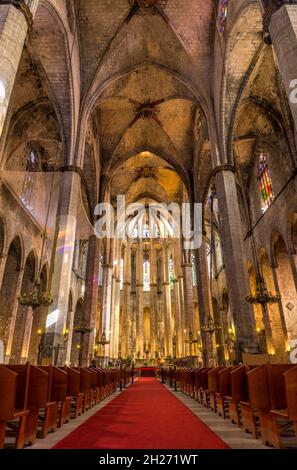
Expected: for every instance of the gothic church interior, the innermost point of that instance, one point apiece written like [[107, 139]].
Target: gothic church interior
[[167, 103]]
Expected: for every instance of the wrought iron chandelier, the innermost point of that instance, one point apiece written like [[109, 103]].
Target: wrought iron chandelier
[[83, 328], [263, 295], [210, 326], [191, 339], [35, 298], [103, 341]]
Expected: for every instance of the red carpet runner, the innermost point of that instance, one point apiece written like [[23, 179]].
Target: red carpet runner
[[145, 416]]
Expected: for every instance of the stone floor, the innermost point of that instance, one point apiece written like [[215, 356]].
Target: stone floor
[[55, 437], [228, 432]]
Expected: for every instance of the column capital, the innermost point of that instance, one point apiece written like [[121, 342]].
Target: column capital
[[224, 167], [165, 283], [23, 8]]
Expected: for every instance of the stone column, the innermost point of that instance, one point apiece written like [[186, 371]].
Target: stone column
[[91, 298], [3, 259], [61, 266], [127, 320], [177, 301], [70, 335], [188, 298], [139, 298], [13, 30], [235, 260], [27, 335], [106, 306], [167, 302], [10, 331], [115, 301], [282, 26], [205, 302], [154, 298]]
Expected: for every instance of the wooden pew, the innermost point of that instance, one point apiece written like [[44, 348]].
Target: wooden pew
[[223, 391], [204, 387], [198, 384], [11, 407], [31, 394], [85, 387], [57, 392], [74, 391], [267, 398], [213, 386], [239, 392], [93, 391]]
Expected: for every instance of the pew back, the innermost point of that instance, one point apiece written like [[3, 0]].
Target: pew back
[[266, 386], [57, 390], [73, 381], [8, 380], [32, 386], [225, 381], [239, 384], [213, 379], [290, 377], [22, 384]]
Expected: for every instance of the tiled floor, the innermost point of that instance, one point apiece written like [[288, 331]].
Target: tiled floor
[[230, 433]]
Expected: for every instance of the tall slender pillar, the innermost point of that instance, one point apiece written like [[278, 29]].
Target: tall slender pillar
[[139, 299], [106, 305], [63, 259], [115, 301], [205, 303], [154, 298], [235, 260], [188, 297], [14, 25], [167, 302], [10, 330], [91, 297], [177, 301], [281, 21], [127, 320]]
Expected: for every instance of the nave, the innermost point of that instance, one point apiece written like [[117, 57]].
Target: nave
[[243, 407]]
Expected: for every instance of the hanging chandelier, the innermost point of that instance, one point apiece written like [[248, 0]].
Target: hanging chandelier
[[210, 326], [263, 295], [83, 328], [191, 339], [35, 298], [103, 341]]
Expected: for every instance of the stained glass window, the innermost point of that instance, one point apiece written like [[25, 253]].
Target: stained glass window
[[194, 273], [31, 166], [223, 15], [265, 182], [146, 231], [100, 274], [146, 276]]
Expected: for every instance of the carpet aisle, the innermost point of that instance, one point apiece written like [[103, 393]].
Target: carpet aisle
[[145, 416]]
